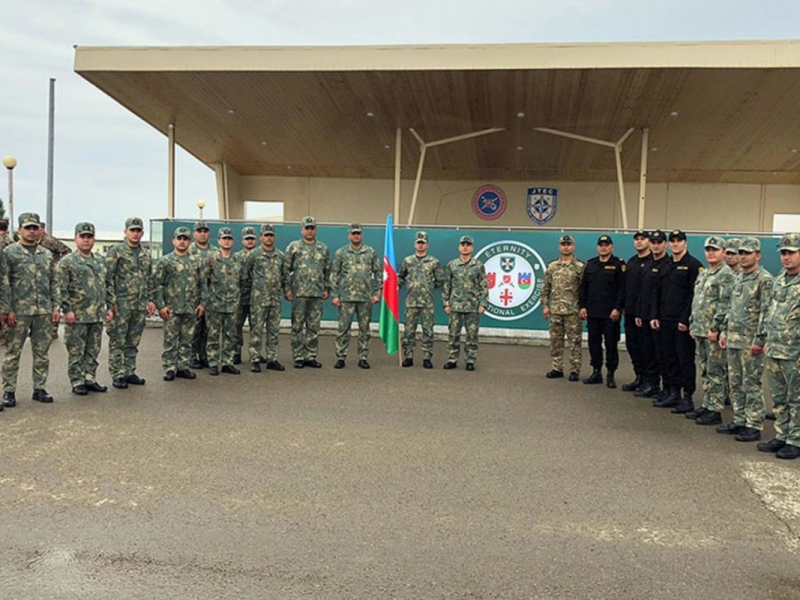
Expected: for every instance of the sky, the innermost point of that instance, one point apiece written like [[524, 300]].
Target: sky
[[110, 165]]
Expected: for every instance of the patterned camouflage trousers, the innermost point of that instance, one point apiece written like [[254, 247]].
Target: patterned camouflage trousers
[[261, 318], [426, 316], [83, 342], [569, 326], [178, 336], [39, 327], [306, 315], [221, 338], [124, 335], [241, 316], [784, 383], [744, 378], [712, 363], [346, 312], [471, 322], [200, 340]]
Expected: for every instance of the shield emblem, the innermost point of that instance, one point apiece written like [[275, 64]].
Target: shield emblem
[[506, 279], [541, 204], [492, 279], [507, 263], [524, 280]]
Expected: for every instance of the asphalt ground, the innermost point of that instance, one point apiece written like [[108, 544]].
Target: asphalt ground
[[387, 483]]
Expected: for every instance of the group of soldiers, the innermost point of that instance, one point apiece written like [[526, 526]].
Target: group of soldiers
[[204, 294], [730, 318]]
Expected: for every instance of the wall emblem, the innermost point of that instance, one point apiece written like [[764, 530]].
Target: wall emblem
[[541, 204], [516, 273], [489, 202]]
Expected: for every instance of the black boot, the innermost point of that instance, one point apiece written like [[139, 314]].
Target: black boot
[[671, 397], [646, 390], [595, 377], [684, 406], [633, 385], [610, 381]]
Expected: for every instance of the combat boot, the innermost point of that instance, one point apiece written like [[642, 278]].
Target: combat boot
[[684, 406], [594, 378], [710, 417], [633, 385], [646, 390], [671, 397], [610, 381]]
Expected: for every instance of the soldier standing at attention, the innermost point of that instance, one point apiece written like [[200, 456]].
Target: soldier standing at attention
[[59, 250], [224, 273], [263, 273], [672, 299], [424, 274], [634, 338], [465, 298], [29, 306], [732, 254], [782, 328], [249, 241], [560, 290], [180, 292], [306, 275], [743, 341], [202, 249], [84, 302], [356, 286], [129, 284], [601, 299], [710, 305]]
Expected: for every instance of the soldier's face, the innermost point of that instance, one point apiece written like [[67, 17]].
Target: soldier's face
[[677, 246], [29, 234], [732, 259], [713, 256], [421, 247], [641, 243], [181, 244], [790, 259], [605, 249], [201, 236], [659, 248], [465, 249], [84, 242], [748, 260], [356, 237], [268, 240], [566, 248], [134, 236], [249, 243], [309, 233], [226, 243]]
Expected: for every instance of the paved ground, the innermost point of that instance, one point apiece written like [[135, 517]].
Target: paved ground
[[391, 483]]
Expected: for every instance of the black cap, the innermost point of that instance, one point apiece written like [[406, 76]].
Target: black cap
[[658, 236], [604, 239], [677, 234], [641, 233]]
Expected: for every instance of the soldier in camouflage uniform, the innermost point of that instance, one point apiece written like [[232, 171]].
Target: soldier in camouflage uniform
[[306, 274], [59, 250], [782, 328], [356, 278], [129, 283], [180, 292], [85, 306], [424, 274], [465, 296], [249, 241], [710, 305], [5, 240], [224, 277], [743, 340], [264, 273], [29, 305], [732, 254], [560, 290], [202, 249]]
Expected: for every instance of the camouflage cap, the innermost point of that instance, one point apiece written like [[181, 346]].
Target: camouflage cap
[[677, 234], [134, 223], [604, 239], [466, 239], [308, 221], [267, 228], [791, 241], [181, 232], [641, 233], [225, 232], [732, 245], [658, 236], [714, 242], [355, 228], [421, 236], [749, 245], [84, 228], [200, 225], [29, 218], [248, 233], [566, 239]]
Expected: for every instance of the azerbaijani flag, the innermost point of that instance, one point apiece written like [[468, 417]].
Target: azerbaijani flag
[[389, 325]]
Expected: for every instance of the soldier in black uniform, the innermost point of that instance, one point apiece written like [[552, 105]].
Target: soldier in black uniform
[[636, 266], [651, 338], [601, 298], [672, 298]]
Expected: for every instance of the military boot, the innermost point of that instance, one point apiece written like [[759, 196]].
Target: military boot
[[684, 406], [646, 390], [633, 385], [611, 383], [671, 397], [595, 377]]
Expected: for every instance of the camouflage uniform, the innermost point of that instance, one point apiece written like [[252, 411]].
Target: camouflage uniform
[[129, 289], [742, 328], [560, 291], [30, 291], [222, 309], [423, 276], [306, 273], [180, 285], [465, 290], [781, 325], [59, 250], [83, 292], [200, 340], [5, 240], [710, 304], [243, 314], [355, 280], [264, 273]]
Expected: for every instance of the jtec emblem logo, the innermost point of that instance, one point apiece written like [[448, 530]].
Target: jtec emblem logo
[[515, 273]]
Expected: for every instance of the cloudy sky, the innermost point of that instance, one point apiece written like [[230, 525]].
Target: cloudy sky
[[109, 164]]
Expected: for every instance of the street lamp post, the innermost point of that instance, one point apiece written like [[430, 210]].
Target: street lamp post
[[201, 204], [9, 162]]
